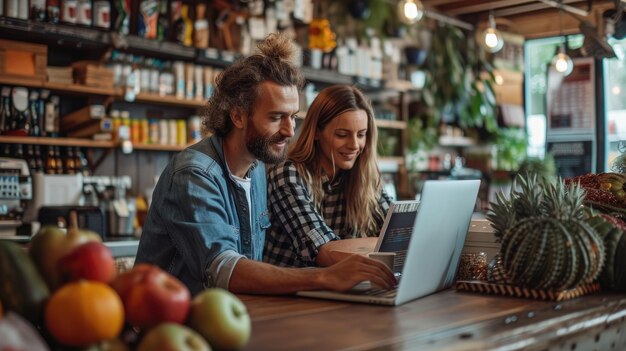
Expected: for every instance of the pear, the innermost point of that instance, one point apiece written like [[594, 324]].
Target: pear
[[51, 243]]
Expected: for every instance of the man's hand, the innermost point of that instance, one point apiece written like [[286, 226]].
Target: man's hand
[[354, 269]]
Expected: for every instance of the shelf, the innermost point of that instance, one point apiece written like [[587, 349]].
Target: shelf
[[158, 147], [80, 89], [169, 100], [54, 34], [155, 48], [391, 124], [456, 141], [84, 143], [57, 141], [23, 82]]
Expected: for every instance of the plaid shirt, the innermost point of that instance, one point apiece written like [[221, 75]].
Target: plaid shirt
[[298, 229]]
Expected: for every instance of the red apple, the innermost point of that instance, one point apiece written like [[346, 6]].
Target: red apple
[[221, 318], [173, 337], [152, 296], [89, 261]]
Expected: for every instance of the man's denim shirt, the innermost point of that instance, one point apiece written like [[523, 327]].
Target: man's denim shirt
[[198, 225]]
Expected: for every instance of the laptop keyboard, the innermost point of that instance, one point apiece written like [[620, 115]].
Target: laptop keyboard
[[380, 292]]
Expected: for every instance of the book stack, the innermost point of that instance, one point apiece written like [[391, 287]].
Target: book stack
[[61, 75], [93, 74], [88, 122]]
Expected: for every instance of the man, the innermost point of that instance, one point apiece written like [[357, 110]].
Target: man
[[207, 220]]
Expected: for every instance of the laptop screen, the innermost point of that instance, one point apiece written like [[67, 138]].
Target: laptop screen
[[395, 234]]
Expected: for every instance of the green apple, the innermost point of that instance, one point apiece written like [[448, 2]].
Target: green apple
[[109, 345], [221, 318], [172, 337]]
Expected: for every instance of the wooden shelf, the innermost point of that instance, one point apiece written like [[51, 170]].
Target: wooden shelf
[[84, 143], [80, 89], [169, 100], [24, 82], [391, 124], [158, 147], [57, 141], [395, 159], [459, 141]]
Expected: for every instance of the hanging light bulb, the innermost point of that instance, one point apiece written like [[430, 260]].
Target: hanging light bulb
[[492, 39], [563, 63], [410, 11]]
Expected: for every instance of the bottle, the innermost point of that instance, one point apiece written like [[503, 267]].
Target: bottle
[[58, 160], [34, 114], [201, 28], [175, 19], [148, 19], [11, 8], [38, 159], [30, 158], [5, 109], [53, 11], [51, 163], [19, 152], [19, 112], [163, 25], [69, 10], [101, 14], [83, 12], [38, 10], [70, 162], [122, 20], [115, 117], [81, 162], [187, 34]]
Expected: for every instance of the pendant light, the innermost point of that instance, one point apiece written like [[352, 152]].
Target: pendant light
[[410, 11], [561, 62], [492, 39]]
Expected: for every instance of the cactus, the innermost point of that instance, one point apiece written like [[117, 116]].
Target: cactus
[[547, 241]]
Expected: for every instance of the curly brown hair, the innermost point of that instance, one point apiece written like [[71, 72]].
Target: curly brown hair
[[236, 87]]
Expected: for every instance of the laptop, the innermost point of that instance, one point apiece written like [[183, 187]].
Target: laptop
[[434, 249]]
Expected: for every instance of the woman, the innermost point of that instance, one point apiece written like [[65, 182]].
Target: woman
[[330, 186]]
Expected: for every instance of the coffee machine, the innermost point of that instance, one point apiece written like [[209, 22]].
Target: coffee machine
[[16, 190]]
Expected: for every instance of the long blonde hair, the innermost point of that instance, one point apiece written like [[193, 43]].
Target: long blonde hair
[[363, 184]]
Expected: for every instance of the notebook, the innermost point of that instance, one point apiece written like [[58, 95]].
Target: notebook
[[434, 248]]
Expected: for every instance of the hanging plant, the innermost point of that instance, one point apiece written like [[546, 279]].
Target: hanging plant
[[459, 83]]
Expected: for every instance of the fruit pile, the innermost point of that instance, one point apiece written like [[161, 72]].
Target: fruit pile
[[606, 194], [65, 293]]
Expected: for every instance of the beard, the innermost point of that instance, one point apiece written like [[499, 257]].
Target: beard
[[259, 145]]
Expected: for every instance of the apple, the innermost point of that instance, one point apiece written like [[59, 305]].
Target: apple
[[109, 345], [173, 337], [89, 261], [221, 318], [152, 296]]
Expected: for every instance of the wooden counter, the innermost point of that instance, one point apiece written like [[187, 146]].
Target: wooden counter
[[448, 320]]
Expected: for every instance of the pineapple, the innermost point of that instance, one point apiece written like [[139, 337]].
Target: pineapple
[[546, 240]]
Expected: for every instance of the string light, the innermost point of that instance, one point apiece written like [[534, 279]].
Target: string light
[[410, 11]]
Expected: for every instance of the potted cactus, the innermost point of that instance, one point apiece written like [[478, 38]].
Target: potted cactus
[[548, 240]]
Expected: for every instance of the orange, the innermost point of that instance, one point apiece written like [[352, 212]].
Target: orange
[[84, 312]]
